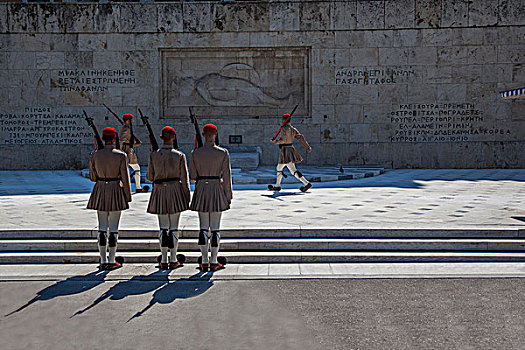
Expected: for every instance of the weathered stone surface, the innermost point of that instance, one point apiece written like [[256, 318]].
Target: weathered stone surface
[[240, 17], [107, 18], [196, 17], [343, 15], [399, 14], [78, 18], [370, 14], [314, 16], [454, 13], [384, 38], [393, 56], [49, 60], [49, 18], [3, 18], [511, 12], [169, 18], [284, 16], [17, 15], [356, 57], [138, 18], [79, 60], [482, 13], [513, 54], [428, 13]]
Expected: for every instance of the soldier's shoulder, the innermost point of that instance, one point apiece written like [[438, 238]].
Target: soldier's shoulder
[[119, 152], [221, 149], [177, 152]]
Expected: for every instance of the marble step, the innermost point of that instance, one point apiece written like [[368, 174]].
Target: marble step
[[275, 244], [269, 257], [473, 232], [244, 160]]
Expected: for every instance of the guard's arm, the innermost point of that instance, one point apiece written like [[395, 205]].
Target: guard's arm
[[150, 175], [92, 171], [227, 177], [301, 139], [184, 177], [124, 177]]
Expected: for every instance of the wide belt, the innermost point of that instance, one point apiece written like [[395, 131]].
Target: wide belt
[[108, 179], [208, 178], [285, 145], [170, 179]]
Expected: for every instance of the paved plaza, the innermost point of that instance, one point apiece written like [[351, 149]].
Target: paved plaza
[[396, 199], [95, 313]]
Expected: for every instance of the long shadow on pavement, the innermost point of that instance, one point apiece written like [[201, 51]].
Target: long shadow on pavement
[[180, 289], [70, 286], [165, 291]]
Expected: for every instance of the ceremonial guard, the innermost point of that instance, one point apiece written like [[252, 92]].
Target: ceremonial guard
[[108, 167], [127, 144], [168, 171], [289, 156], [211, 170]]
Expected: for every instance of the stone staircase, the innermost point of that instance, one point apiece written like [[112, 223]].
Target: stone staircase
[[277, 245]]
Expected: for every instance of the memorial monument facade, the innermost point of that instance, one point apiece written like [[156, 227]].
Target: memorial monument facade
[[404, 83]]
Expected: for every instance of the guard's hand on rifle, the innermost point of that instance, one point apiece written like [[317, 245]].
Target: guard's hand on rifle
[[273, 141]]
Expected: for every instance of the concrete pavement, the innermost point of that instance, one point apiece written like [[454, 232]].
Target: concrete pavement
[[273, 314]]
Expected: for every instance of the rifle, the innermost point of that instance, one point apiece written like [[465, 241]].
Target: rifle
[[284, 123], [152, 140], [198, 137], [98, 141], [133, 138]]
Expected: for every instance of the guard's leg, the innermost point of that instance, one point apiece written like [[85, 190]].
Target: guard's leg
[[204, 221], [174, 236], [300, 177], [102, 236], [277, 186], [215, 223], [113, 221], [164, 224], [136, 168]]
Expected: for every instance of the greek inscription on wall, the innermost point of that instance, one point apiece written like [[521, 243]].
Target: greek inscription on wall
[[373, 75], [442, 122], [43, 126], [92, 80]]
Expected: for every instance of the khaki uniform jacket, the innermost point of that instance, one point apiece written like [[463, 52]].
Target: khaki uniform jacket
[[211, 195], [109, 195], [288, 153], [168, 197], [125, 144]]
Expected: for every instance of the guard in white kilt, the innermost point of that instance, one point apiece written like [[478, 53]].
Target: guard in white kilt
[[288, 155], [168, 171], [211, 170], [108, 167]]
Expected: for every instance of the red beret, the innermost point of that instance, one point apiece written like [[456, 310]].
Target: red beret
[[109, 131], [210, 128], [286, 115], [168, 129], [127, 116]]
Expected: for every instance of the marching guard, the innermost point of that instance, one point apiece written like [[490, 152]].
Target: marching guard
[[211, 170], [168, 172], [288, 155], [127, 144], [108, 167]]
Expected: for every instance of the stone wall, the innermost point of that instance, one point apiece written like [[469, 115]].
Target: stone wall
[[400, 83]]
